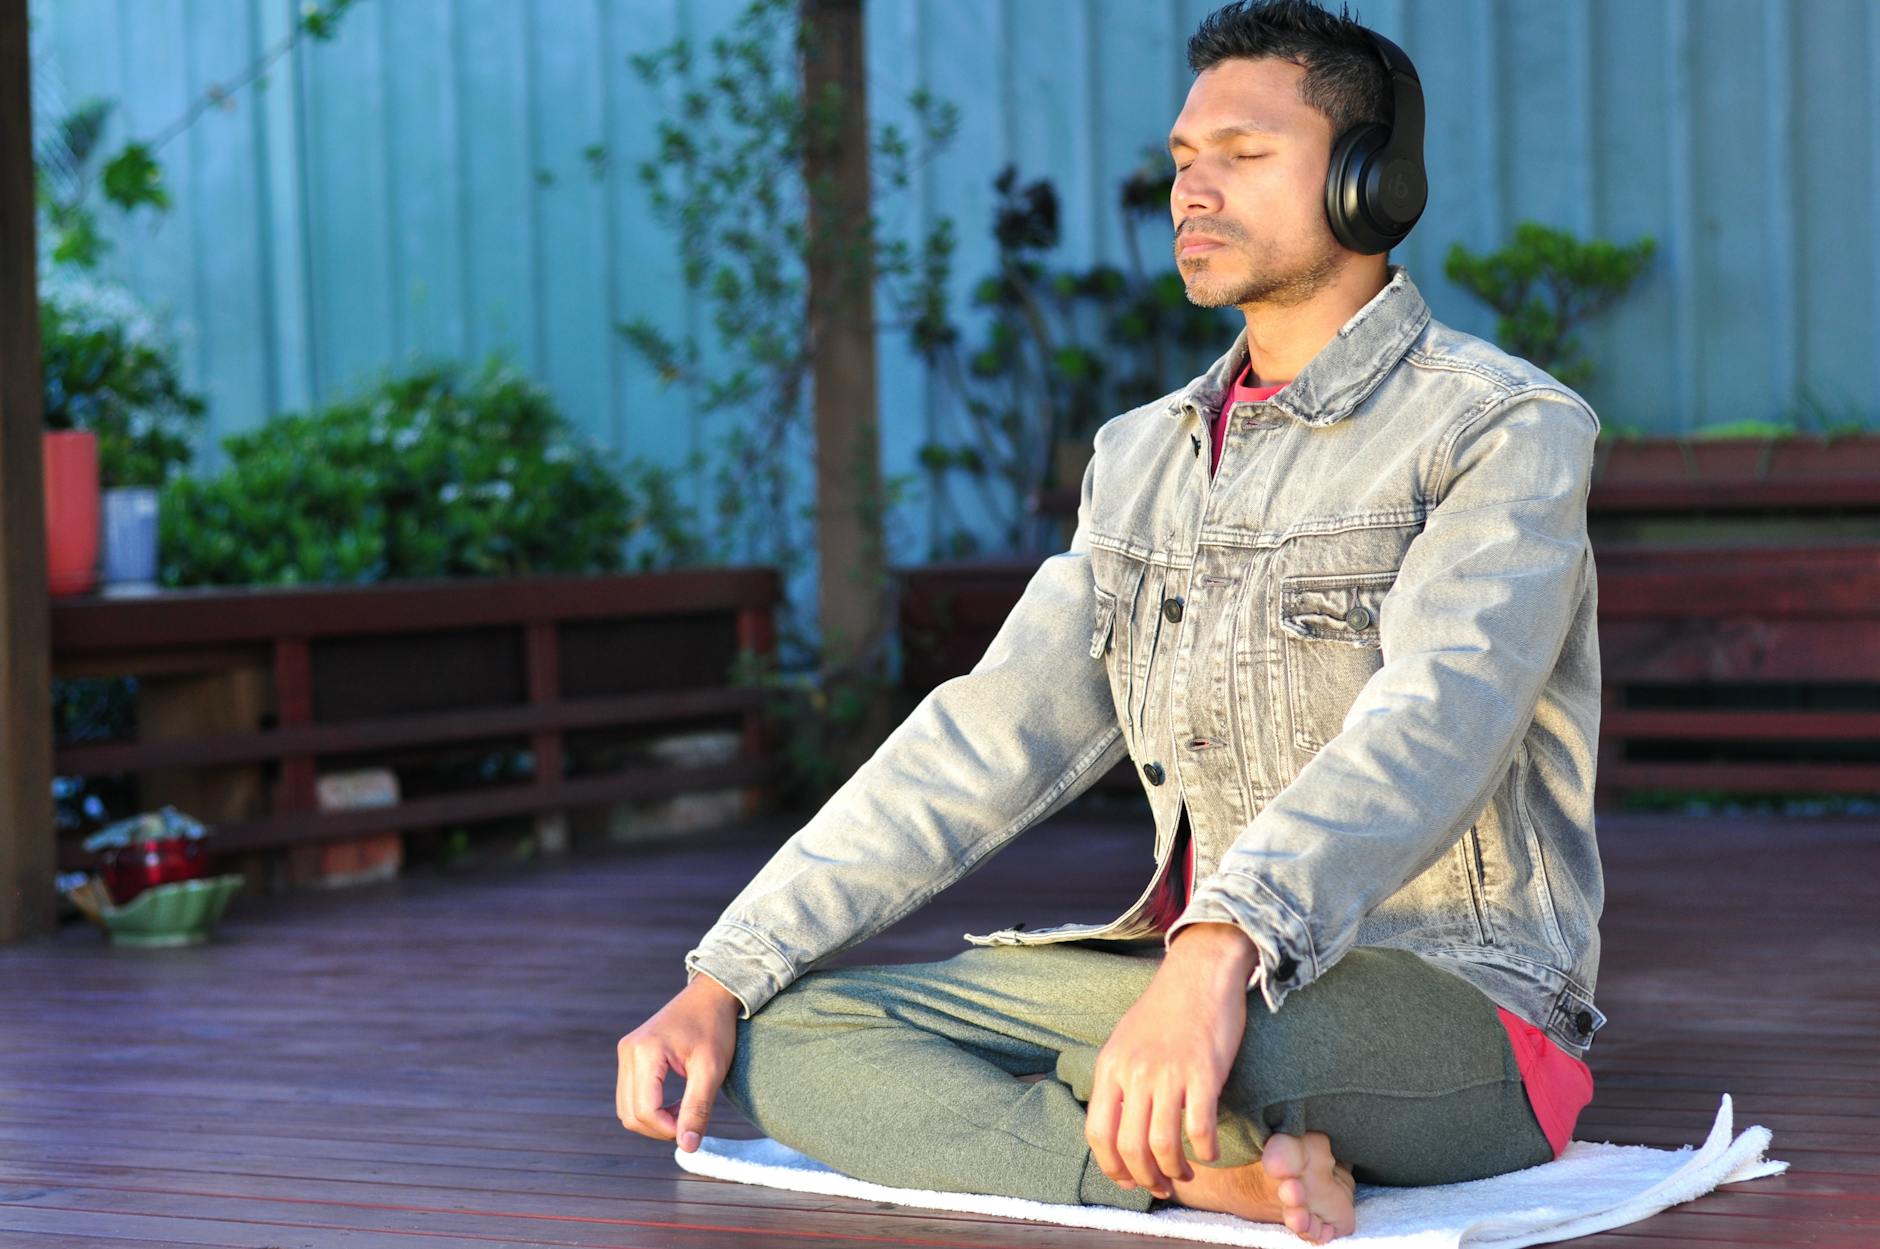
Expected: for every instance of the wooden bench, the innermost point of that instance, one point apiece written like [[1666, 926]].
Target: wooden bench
[[372, 672], [1740, 669]]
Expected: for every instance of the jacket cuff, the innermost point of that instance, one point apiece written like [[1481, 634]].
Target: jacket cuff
[[1287, 958], [743, 962]]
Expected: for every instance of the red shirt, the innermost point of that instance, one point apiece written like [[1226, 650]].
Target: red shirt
[[1558, 1085]]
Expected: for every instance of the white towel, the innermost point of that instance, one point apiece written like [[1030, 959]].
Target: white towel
[[1589, 1188]]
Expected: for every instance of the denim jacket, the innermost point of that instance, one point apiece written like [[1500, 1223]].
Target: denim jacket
[[1363, 654]]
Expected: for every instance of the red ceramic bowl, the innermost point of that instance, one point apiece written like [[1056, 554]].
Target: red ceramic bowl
[[129, 870]]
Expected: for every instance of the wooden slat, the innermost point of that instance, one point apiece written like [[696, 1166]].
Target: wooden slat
[[480, 803], [1813, 582], [1730, 724], [1746, 648], [1735, 494], [1742, 777], [394, 731], [544, 674], [293, 708], [760, 733], [219, 615]]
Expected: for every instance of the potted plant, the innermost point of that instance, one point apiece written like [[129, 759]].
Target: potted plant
[[153, 888], [119, 423], [69, 465]]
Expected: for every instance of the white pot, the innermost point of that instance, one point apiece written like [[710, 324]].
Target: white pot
[[128, 556]]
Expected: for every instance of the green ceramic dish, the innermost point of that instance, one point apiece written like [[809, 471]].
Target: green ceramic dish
[[179, 913]]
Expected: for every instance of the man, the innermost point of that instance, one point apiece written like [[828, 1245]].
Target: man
[[1335, 599]]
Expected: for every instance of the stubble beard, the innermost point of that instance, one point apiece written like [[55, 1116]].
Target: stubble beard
[[1275, 288]]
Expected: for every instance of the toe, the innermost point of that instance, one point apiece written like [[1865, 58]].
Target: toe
[[1283, 1156]]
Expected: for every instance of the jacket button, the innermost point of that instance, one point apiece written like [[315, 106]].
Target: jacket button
[[1359, 617], [1285, 968], [1585, 1021], [1172, 608], [1154, 772]]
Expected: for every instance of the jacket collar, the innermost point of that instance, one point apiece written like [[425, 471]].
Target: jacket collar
[[1343, 373]]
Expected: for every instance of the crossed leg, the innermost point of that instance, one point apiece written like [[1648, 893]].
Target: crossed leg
[[904, 1075]]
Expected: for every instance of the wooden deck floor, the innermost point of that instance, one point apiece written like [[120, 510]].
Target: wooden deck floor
[[430, 1062]]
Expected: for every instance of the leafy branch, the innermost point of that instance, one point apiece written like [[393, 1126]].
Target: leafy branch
[[66, 172], [728, 180], [1062, 351]]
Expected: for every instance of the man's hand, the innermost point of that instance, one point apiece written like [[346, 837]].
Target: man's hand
[[1167, 1059], [694, 1034]]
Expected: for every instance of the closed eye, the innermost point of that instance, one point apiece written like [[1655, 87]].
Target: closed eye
[[1255, 156]]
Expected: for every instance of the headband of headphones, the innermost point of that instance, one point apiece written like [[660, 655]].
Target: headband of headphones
[[1375, 187]]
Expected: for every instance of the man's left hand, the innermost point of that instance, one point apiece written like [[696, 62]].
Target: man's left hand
[[1164, 1064]]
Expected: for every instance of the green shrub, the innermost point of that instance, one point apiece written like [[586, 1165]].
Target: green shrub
[[435, 473], [1545, 285]]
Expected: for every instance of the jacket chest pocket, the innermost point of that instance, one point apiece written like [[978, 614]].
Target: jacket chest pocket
[[1331, 644]]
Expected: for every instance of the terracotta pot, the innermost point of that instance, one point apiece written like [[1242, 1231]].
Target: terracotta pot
[[69, 462]]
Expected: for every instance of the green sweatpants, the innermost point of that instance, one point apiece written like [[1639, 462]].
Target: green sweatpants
[[907, 1074]]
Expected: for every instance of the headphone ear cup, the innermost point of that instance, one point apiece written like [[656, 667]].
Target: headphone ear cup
[[1344, 188]]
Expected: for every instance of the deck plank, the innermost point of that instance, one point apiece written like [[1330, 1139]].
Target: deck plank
[[429, 1061]]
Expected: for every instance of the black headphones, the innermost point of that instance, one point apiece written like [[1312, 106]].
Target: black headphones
[[1375, 187]]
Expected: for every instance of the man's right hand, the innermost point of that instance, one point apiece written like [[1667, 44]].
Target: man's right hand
[[694, 1034]]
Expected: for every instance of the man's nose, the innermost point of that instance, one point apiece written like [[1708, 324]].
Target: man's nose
[[1194, 191]]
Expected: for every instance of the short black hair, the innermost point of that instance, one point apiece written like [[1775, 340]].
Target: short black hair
[[1345, 79]]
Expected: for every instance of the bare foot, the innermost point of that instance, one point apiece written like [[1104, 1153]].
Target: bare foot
[[1295, 1182]]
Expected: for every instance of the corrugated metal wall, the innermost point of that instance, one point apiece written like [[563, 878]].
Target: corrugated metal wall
[[418, 184]]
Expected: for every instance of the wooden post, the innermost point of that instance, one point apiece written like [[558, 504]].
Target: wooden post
[[854, 590], [28, 904], [542, 642], [757, 633]]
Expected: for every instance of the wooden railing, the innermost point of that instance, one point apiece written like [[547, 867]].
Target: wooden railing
[[421, 664], [1761, 665]]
